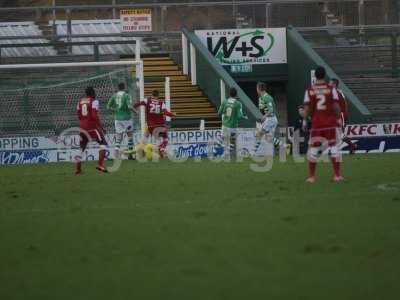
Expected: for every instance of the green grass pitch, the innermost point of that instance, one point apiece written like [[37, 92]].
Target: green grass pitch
[[201, 231]]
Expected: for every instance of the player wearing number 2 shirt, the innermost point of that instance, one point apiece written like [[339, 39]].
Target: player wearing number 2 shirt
[[90, 128], [321, 103], [156, 111]]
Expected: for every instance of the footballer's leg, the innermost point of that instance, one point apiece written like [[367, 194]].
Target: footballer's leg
[[345, 138], [313, 154], [335, 155], [269, 128], [99, 136], [129, 133], [148, 134], [119, 130], [267, 132], [232, 142], [119, 138], [130, 140], [100, 163], [226, 140], [259, 136], [84, 140], [351, 145], [164, 141], [335, 158], [268, 139]]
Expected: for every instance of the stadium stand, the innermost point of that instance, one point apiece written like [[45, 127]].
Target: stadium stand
[[298, 14], [94, 27], [367, 71], [173, 17], [21, 29], [85, 27]]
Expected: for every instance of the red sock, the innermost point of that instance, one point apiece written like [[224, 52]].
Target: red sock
[[78, 167], [102, 155], [163, 147], [312, 166], [336, 166]]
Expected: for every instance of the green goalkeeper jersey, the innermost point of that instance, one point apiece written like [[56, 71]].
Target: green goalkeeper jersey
[[120, 104], [266, 104], [231, 112]]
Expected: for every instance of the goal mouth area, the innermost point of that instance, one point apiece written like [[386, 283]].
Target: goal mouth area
[[40, 99]]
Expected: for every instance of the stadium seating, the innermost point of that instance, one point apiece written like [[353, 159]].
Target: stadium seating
[[97, 27], [17, 29], [380, 94], [297, 14], [25, 29], [367, 72]]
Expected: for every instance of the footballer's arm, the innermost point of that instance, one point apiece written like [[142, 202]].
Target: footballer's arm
[[307, 111], [336, 104], [169, 113], [78, 110], [132, 107], [139, 103], [95, 115], [110, 104], [221, 109]]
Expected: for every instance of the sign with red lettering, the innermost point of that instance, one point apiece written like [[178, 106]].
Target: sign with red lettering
[[135, 20], [366, 130]]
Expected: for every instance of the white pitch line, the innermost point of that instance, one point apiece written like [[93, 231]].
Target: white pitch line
[[388, 187]]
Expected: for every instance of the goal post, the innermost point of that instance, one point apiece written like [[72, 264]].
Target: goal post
[[33, 96]]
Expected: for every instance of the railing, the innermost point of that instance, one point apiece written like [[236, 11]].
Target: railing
[[171, 16], [95, 44], [93, 35], [213, 79]]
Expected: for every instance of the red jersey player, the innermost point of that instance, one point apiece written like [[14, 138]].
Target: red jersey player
[[321, 103], [344, 113], [156, 111], [90, 128]]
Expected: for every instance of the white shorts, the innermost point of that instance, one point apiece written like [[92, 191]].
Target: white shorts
[[269, 125], [123, 126]]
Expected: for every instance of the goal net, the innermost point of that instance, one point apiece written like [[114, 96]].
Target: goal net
[[41, 99]]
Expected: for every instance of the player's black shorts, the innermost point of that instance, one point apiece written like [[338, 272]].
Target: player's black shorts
[[93, 135]]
